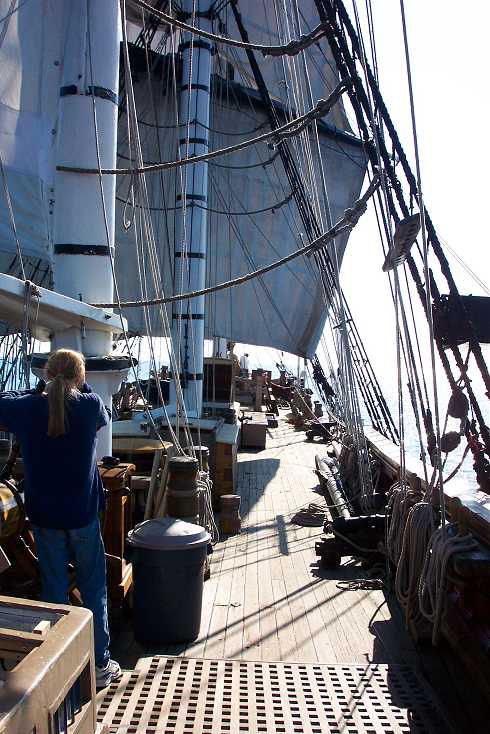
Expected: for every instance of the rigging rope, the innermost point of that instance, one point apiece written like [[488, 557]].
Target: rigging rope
[[426, 267], [292, 48], [14, 10], [231, 133], [270, 208], [259, 164], [11, 217], [348, 221], [345, 60], [289, 129]]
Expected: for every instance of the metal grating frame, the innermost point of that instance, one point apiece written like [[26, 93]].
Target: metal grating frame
[[188, 696]]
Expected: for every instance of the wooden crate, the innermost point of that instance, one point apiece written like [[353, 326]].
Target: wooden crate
[[254, 433], [117, 523], [49, 686]]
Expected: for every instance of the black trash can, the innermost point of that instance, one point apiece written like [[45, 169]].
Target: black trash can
[[168, 557]]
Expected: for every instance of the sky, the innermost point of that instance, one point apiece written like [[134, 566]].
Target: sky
[[451, 107]]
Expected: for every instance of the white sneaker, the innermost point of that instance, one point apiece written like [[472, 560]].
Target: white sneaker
[[110, 672]]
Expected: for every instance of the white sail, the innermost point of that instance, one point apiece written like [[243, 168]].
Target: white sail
[[285, 309], [31, 57], [276, 23]]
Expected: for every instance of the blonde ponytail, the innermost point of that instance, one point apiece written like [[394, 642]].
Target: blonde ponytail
[[56, 407], [65, 371]]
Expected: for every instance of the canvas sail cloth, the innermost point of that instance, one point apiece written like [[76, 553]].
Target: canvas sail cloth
[[286, 308], [31, 52]]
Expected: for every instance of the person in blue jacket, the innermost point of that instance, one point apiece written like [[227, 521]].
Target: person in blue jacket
[[57, 432]]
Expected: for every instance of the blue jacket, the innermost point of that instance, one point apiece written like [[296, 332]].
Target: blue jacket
[[63, 488]]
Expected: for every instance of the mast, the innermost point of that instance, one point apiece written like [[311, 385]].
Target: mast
[[191, 231], [84, 219]]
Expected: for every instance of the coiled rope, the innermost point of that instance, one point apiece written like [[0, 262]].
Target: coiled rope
[[206, 514], [401, 501], [432, 593], [419, 527]]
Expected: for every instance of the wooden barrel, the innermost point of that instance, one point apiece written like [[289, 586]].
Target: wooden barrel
[[230, 522], [182, 489], [230, 502], [202, 456]]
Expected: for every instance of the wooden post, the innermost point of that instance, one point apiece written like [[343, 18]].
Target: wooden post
[[259, 386]]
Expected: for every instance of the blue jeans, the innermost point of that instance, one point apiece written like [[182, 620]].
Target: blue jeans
[[85, 549]]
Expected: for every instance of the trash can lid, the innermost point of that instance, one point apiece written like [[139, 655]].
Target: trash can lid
[[168, 533]]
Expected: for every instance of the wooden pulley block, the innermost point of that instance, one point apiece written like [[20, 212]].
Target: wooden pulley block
[[458, 404], [450, 441]]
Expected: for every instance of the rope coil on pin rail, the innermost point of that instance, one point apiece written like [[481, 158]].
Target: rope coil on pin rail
[[420, 524], [444, 543], [292, 48], [293, 127], [347, 222]]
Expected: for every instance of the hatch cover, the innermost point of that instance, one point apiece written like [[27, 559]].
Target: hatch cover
[[188, 696]]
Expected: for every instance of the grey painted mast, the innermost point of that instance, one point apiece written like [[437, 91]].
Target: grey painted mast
[[191, 230]]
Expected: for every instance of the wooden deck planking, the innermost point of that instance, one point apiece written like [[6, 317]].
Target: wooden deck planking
[[268, 600]]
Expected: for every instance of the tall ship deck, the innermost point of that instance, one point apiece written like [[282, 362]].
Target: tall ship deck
[[285, 525], [268, 600]]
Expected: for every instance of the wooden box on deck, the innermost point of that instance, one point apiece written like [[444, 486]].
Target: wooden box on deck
[[48, 648], [254, 433]]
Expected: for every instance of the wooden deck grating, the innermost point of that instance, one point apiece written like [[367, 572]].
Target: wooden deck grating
[[267, 600], [189, 696]]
